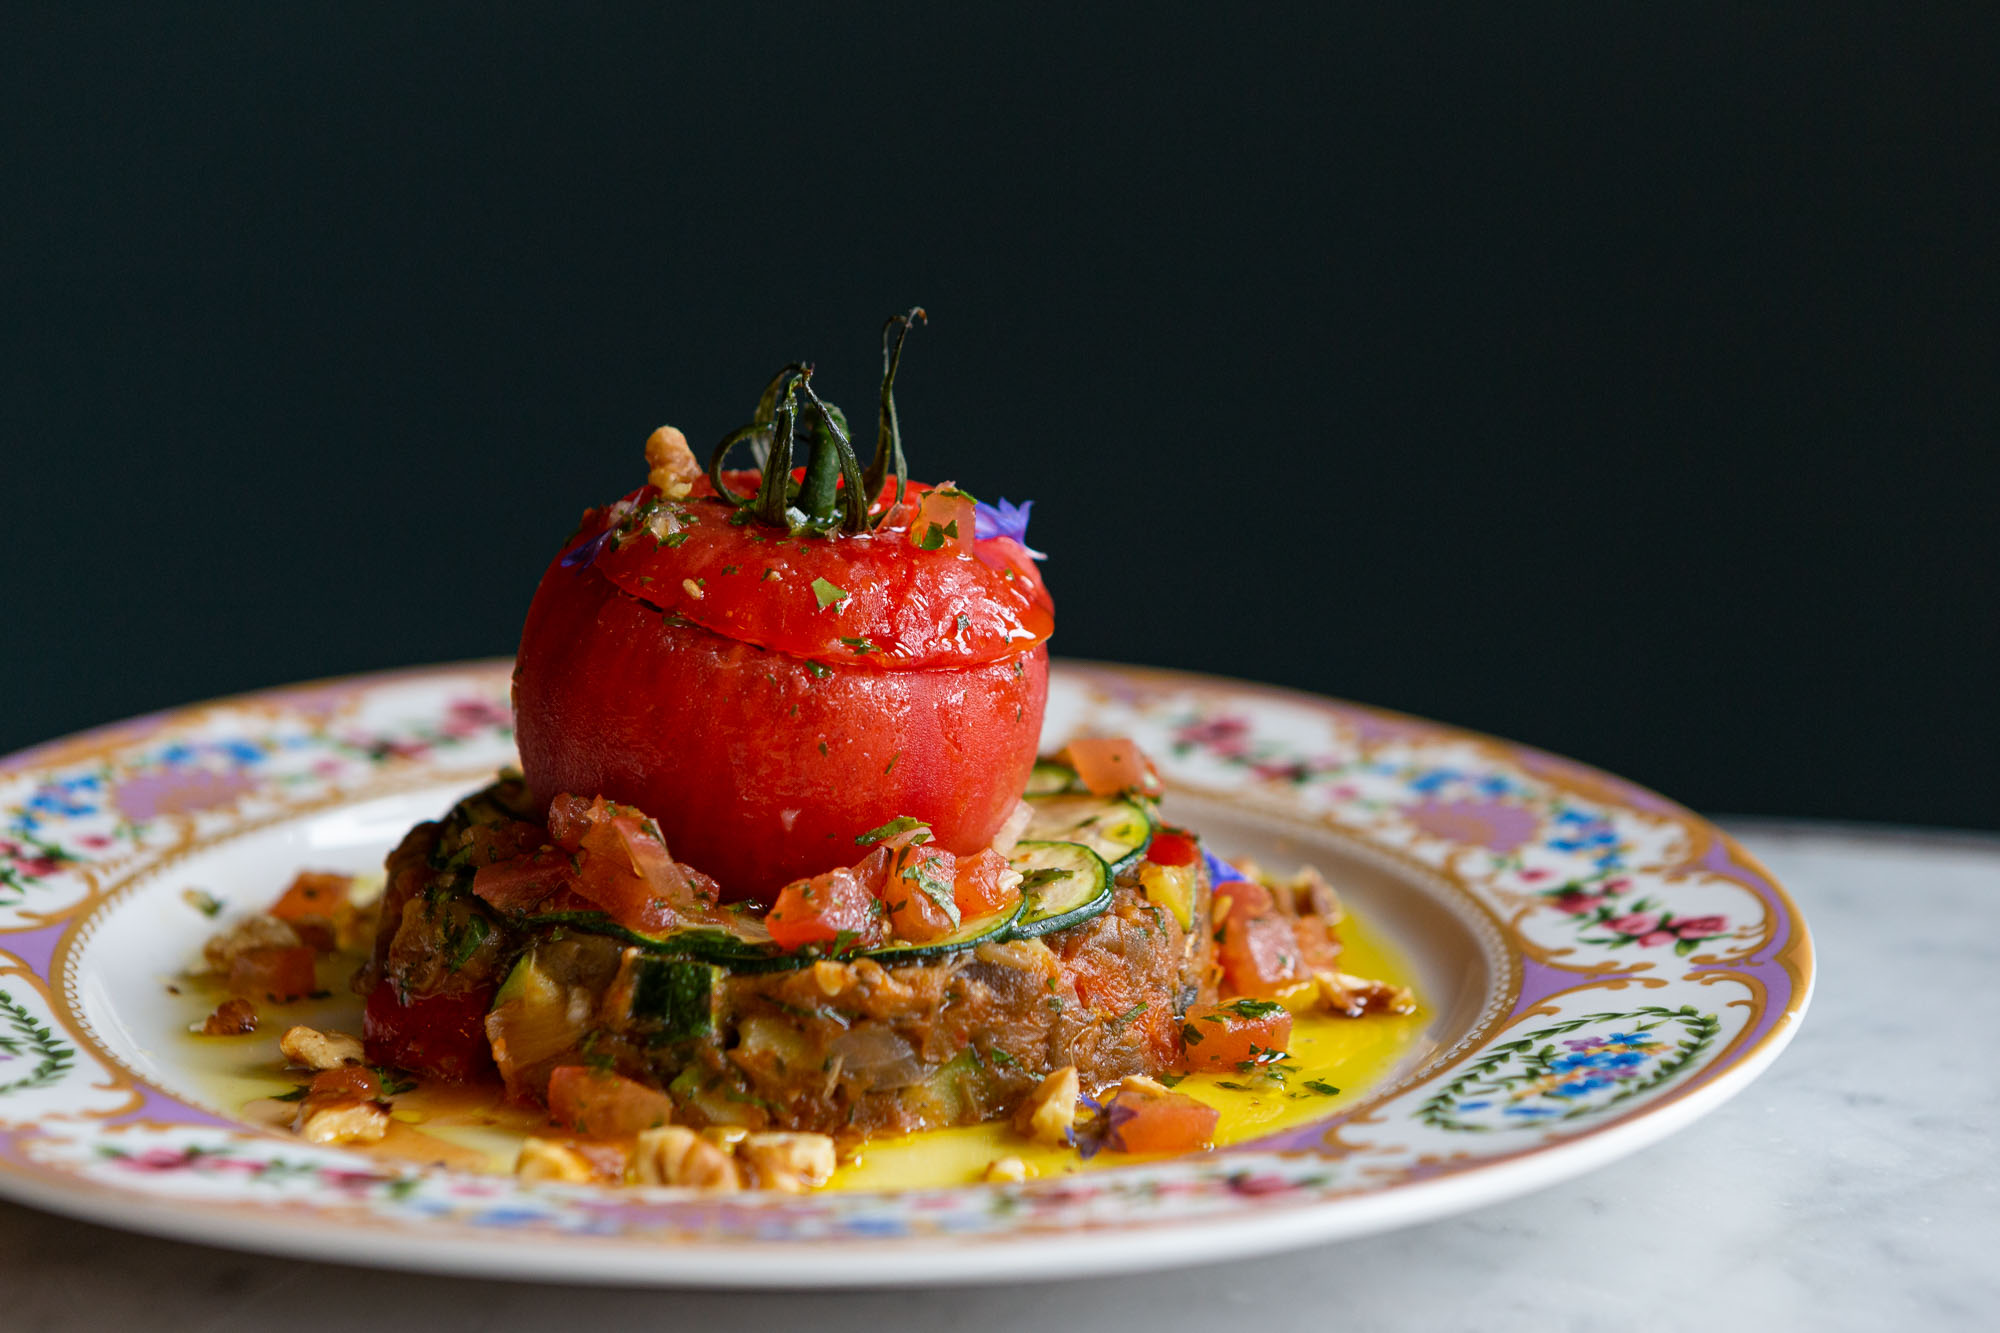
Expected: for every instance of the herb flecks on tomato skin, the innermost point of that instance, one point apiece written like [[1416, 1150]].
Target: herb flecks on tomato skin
[[905, 606], [767, 676]]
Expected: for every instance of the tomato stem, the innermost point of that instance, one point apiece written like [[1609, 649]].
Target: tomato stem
[[888, 430], [834, 491]]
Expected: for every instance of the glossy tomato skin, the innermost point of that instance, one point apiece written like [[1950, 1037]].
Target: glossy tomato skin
[[760, 767]]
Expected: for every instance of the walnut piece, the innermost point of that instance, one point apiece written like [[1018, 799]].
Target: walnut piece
[[676, 1155], [789, 1163], [1008, 1171], [542, 1159], [232, 1018], [313, 1049], [1143, 1086], [347, 1121], [1049, 1113], [672, 466], [261, 931], [1351, 996]]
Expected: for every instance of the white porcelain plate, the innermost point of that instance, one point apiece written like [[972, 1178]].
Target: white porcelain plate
[[1598, 967]]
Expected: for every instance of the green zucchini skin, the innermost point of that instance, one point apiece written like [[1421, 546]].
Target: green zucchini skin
[[1079, 890], [1050, 778], [674, 999], [991, 929], [1104, 837], [1117, 828]]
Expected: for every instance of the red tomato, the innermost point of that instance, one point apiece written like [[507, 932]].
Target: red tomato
[[1235, 1037], [918, 894], [525, 882], [1319, 944], [602, 1105], [1176, 1122], [443, 1036], [626, 871], [273, 974], [762, 765], [877, 600], [823, 910], [1256, 946], [313, 894], [1173, 849], [977, 888], [1109, 766]]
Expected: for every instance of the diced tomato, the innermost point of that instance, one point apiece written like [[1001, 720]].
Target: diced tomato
[[978, 889], [442, 1036], [944, 521], [873, 869], [318, 907], [273, 974], [919, 894], [623, 866], [630, 876], [1246, 896], [832, 908], [569, 817], [346, 1081], [599, 1104], [1149, 1122], [1173, 849], [313, 893], [1319, 944], [1257, 948], [1110, 765], [1235, 1037], [524, 882]]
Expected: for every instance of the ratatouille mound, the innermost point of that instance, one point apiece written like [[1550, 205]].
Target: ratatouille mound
[[781, 870]]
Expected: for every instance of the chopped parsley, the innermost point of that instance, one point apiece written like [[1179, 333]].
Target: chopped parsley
[[1323, 1089], [1254, 1008], [1119, 1022], [201, 901], [828, 594], [900, 824], [820, 670], [860, 645]]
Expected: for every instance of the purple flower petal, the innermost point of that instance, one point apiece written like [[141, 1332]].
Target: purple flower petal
[[1005, 520]]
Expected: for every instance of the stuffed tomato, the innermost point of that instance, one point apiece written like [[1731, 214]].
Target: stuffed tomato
[[770, 673]]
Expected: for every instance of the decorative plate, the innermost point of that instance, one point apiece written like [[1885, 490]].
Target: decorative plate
[[1598, 967]]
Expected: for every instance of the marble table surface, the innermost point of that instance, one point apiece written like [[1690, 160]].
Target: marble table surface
[[1853, 1186]]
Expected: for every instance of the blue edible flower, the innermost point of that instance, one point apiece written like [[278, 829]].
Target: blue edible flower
[[1005, 520]]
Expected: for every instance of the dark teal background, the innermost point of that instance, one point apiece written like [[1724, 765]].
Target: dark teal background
[[1619, 381]]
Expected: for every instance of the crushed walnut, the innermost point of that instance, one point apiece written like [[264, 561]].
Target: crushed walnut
[[309, 1048], [671, 465], [1351, 996], [232, 1018], [1049, 1113]]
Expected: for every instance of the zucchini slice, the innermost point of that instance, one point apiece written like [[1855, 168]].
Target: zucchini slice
[[1117, 828], [999, 926], [673, 999], [738, 947], [1066, 884], [1050, 778]]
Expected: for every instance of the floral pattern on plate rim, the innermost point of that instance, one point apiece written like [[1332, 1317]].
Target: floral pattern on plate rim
[[1595, 885]]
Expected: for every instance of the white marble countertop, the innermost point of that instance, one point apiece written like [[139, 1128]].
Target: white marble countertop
[[1853, 1186]]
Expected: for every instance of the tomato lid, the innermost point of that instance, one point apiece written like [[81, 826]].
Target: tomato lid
[[902, 596]]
